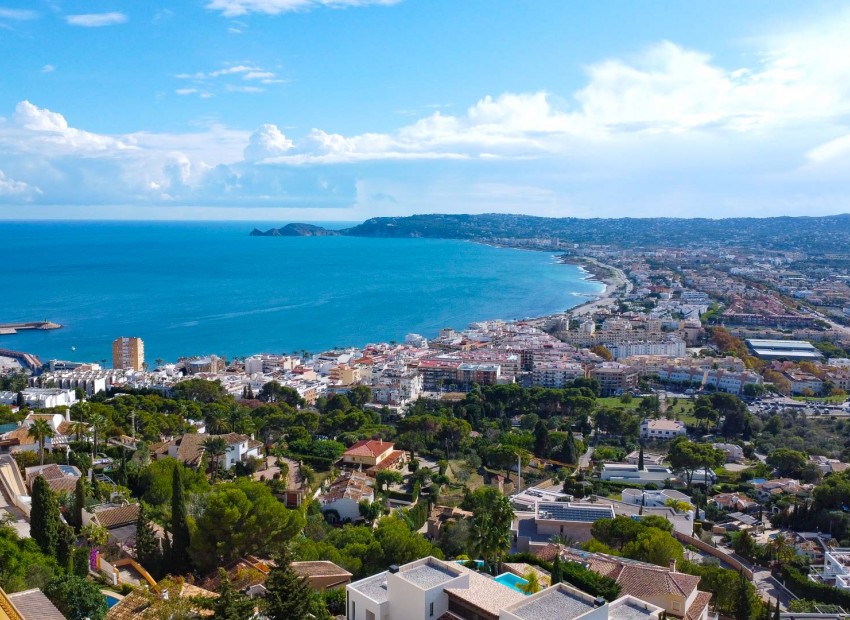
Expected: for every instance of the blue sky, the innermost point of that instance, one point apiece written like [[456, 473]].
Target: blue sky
[[346, 109]]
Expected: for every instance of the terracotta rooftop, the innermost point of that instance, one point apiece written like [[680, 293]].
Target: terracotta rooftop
[[369, 447], [117, 516]]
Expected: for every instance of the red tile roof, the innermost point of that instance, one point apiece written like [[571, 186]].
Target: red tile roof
[[369, 447]]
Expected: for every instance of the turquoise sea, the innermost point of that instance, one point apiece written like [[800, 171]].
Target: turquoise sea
[[207, 287]]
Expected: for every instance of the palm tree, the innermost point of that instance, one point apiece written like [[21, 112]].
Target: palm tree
[[98, 424], [532, 584], [79, 429], [215, 448], [41, 431]]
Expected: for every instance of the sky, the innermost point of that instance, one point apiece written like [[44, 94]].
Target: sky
[[340, 110]]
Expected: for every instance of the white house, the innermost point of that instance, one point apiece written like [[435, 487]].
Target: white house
[[623, 472], [836, 568], [345, 494], [653, 499], [429, 589], [239, 449], [661, 429], [734, 453]]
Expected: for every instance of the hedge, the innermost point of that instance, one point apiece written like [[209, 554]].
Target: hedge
[[576, 575], [804, 587]]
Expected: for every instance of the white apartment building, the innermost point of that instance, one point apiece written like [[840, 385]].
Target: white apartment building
[[431, 589], [555, 374], [672, 346], [653, 499], [41, 398]]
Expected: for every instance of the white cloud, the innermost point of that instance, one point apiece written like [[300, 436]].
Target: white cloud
[[235, 8], [97, 20], [18, 189], [18, 15], [48, 69], [668, 130], [267, 141], [231, 88]]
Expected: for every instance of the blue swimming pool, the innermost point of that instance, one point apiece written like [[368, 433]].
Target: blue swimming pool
[[111, 601], [512, 581]]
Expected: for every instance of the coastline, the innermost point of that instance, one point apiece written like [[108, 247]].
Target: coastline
[[613, 278]]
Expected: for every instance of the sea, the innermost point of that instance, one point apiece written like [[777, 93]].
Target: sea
[[198, 288]]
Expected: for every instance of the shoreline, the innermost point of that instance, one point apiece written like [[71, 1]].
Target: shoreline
[[610, 277]]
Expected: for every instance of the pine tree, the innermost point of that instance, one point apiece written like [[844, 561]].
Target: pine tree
[[743, 602], [640, 459], [79, 502], [180, 563], [555, 577], [230, 604], [148, 551], [44, 517], [288, 593]]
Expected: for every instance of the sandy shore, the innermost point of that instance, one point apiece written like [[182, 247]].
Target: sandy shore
[[613, 279]]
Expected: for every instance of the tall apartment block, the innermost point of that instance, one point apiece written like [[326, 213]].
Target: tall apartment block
[[128, 354]]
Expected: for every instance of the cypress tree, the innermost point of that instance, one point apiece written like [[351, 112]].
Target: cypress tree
[[556, 571], [65, 546], [79, 502], [743, 602], [776, 611], [640, 459], [569, 454], [44, 517], [230, 604], [288, 593], [148, 551], [180, 562]]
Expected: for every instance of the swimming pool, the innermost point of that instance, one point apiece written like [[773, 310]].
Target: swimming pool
[[512, 581], [111, 600]]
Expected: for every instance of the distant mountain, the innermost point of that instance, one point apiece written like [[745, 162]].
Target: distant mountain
[[295, 230], [811, 234]]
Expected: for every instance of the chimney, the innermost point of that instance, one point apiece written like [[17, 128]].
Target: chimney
[[673, 565], [67, 414], [598, 601], [393, 568]]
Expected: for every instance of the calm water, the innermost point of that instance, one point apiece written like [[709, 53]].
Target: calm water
[[198, 288]]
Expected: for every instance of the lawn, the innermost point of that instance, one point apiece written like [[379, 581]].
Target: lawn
[[835, 400]]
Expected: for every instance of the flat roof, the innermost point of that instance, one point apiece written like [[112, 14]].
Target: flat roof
[[631, 609], [428, 574], [564, 511], [555, 603], [374, 587], [781, 344]]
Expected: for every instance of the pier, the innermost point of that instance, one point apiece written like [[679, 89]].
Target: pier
[[14, 328]]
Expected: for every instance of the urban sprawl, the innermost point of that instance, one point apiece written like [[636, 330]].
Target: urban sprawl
[[675, 448]]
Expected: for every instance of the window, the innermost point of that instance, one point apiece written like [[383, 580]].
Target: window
[[432, 610]]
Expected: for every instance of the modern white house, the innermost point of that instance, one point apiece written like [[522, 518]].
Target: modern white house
[[836, 568], [734, 453], [654, 499], [624, 472], [661, 429], [431, 589]]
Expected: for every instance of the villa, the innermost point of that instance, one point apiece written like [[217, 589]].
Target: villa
[[432, 589]]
